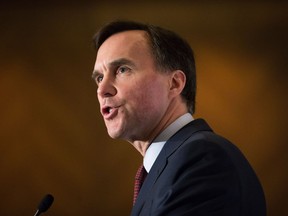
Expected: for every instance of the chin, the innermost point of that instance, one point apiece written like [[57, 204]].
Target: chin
[[115, 134], [115, 130]]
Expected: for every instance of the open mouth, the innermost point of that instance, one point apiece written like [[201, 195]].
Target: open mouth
[[109, 112]]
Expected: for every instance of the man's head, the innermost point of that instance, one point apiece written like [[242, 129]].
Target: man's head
[[141, 87], [170, 52]]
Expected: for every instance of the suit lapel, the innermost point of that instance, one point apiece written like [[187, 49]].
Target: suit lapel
[[169, 148]]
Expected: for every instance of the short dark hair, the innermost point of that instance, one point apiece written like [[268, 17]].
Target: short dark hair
[[171, 52]]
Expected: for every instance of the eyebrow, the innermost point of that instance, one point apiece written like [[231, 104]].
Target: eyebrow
[[114, 64]]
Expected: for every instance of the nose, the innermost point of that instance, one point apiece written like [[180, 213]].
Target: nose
[[106, 88]]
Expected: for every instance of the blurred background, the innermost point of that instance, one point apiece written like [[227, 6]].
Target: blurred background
[[52, 137]]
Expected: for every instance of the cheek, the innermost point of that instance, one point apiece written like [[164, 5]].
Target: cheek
[[148, 98]]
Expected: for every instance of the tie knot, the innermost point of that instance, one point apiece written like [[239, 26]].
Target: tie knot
[[139, 179], [141, 173]]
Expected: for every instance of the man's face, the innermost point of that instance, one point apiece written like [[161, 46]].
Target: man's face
[[133, 94]]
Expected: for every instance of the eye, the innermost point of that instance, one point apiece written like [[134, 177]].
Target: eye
[[122, 69], [99, 79]]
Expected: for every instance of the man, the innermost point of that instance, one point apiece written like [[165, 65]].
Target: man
[[146, 90]]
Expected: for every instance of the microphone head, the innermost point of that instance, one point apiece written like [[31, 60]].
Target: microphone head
[[45, 203]]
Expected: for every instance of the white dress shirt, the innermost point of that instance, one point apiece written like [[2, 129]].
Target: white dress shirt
[[158, 143]]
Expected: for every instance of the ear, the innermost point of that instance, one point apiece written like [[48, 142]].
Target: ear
[[177, 82]]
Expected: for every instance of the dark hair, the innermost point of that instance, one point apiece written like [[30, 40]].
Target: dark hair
[[171, 52]]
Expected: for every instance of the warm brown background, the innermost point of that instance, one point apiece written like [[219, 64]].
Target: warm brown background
[[51, 134]]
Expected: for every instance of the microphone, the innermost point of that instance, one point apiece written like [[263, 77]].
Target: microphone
[[45, 204]]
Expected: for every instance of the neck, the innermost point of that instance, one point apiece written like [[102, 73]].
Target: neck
[[171, 115]]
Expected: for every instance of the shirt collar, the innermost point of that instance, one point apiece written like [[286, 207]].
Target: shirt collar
[[159, 142]]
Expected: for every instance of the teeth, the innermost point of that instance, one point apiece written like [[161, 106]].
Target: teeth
[[109, 110]]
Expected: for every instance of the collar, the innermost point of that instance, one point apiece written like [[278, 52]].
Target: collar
[[159, 142]]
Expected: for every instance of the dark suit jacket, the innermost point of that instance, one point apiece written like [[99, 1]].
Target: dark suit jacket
[[200, 173]]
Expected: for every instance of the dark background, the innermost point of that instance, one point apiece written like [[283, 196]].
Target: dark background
[[52, 136]]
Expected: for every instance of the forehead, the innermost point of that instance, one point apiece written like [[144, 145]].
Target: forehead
[[124, 43]]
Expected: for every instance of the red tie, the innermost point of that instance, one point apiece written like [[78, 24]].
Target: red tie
[[139, 179]]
